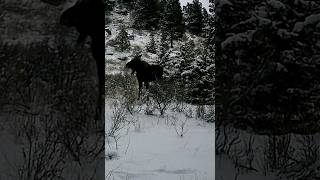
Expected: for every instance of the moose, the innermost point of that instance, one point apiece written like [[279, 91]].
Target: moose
[[87, 16], [145, 72]]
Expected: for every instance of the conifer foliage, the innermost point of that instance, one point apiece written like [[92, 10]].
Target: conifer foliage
[[122, 42], [194, 17], [152, 46], [268, 60], [146, 14], [172, 20]]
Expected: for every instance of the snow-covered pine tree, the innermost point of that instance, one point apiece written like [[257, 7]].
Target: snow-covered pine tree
[[172, 20], [211, 53], [205, 83], [122, 42], [152, 46], [146, 14], [186, 67], [164, 46], [211, 29], [197, 72], [205, 62], [197, 68], [188, 54], [206, 23], [127, 3], [267, 54], [194, 17], [109, 5]]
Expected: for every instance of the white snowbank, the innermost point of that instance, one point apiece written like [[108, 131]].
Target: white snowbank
[[150, 149]]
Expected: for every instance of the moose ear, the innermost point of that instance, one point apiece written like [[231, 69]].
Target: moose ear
[[53, 2]]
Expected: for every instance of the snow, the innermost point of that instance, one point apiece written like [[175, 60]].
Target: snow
[[226, 170], [298, 27], [205, 3], [276, 4], [237, 39], [246, 159], [312, 19], [149, 148]]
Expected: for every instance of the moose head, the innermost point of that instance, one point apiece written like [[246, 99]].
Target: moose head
[[134, 63], [87, 16]]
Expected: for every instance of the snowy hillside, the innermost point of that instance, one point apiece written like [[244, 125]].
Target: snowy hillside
[[142, 143], [139, 39]]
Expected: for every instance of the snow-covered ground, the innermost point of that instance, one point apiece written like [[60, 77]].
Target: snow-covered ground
[[149, 148]]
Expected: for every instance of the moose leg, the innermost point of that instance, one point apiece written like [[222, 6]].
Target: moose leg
[[101, 79], [147, 87], [98, 54], [100, 102]]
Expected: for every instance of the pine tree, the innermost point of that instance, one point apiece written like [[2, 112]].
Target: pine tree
[[146, 14], [194, 17], [200, 80], [127, 3], [188, 52], [172, 20], [210, 30], [267, 56], [162, 7], [198, 67], [152, 46], [206, 23], [164, 47], [196, 72], [122, 40], [109, 5]]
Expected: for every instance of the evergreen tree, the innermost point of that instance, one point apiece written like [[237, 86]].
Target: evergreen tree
[[122, 42], [200, 79], [188, 54], [152, 46], [210, 30], [127, 3], [172, 20], [194, 17], [268, 60], [206, 23], [164, 47], [109, 5], [162, 7], [146, 14], [196, 71]]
